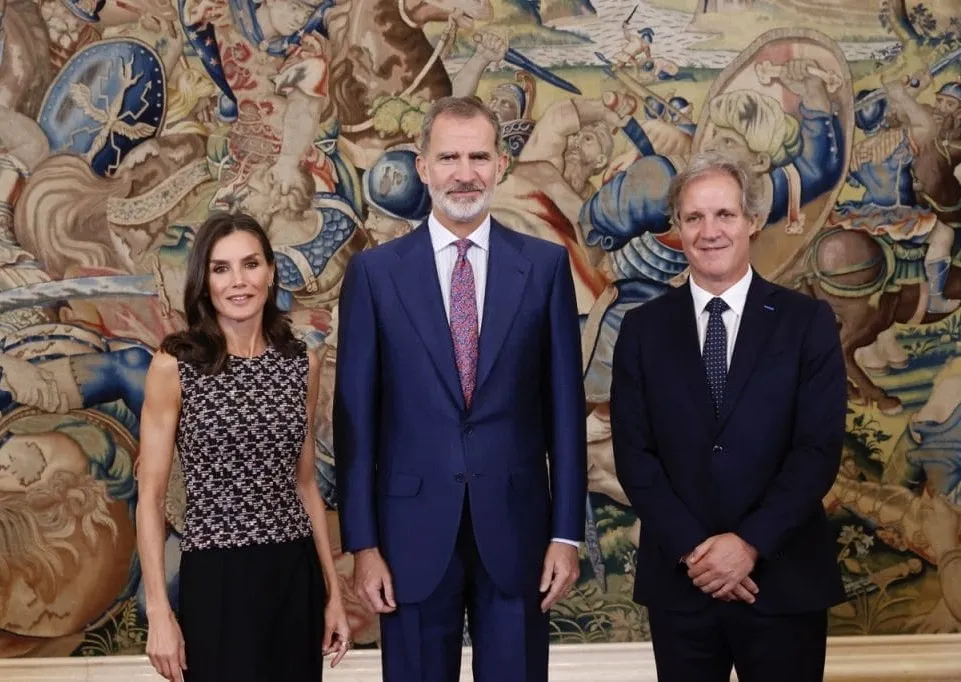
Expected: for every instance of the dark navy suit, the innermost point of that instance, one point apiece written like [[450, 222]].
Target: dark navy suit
[[461, 503], [759, 469]]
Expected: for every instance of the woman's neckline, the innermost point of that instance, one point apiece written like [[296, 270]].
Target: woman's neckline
[[250, 357]]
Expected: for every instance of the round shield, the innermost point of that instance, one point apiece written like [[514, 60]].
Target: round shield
[[103, 541], [108, 98], [786, 108], [393, 186]]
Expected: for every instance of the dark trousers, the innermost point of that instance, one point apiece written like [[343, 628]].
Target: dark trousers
[[253, 614], [704, 645], [509, 635]]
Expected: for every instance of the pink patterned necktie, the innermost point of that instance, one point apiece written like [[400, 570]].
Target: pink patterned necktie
[[463, 320]]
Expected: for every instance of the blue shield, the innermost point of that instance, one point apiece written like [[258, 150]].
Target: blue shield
[[108, 99]]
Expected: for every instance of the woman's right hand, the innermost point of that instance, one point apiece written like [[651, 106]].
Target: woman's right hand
[[165, 646]]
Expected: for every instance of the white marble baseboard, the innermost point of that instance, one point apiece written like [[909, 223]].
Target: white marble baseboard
[[914, 658]]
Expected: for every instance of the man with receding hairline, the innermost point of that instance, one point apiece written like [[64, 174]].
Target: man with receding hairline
[[727, 414]]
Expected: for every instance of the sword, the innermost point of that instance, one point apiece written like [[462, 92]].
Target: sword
[[45, 293], [517, 59], [631, 15], [935, 69]]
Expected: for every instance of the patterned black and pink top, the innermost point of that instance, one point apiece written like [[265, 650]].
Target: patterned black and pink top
[[240, 435]]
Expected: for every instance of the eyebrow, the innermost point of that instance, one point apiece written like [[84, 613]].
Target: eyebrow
[[249, 256], [473, 155], [697, 213]]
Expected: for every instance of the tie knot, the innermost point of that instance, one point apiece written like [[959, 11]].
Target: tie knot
[[462, 246], [716, 305]]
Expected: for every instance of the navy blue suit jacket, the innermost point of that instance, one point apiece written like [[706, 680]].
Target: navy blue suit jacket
[[760, 470], [406, 447]]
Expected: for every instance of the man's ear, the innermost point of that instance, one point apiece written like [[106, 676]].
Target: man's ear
[[421, 163], [502, 163]]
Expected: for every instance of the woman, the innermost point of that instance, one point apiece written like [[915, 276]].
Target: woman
[[236, 394]]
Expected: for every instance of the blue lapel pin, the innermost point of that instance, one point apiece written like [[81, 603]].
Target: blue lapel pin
[[769, 307]]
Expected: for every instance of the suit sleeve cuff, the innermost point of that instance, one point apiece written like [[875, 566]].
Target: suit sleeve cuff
[[751, 533], [354, 542], [575, 543], [682, 542]]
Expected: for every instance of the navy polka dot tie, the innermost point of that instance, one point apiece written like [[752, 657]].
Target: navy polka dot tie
[[715, 352]]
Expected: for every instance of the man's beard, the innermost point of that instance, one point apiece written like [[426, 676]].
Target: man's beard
[[576, 170], [459, 210], [949, 126]]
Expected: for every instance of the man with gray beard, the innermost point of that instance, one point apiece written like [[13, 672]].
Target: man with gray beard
[[458, 368]]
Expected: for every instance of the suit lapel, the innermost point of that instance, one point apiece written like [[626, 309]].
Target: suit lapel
[[756, 326], [688, 350], [415, 277], [507, 272]]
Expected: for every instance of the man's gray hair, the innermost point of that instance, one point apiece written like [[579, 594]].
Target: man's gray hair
[[707, 163], [463, 108]]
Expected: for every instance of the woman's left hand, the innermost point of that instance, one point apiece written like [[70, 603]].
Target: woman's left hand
[[336, 630]]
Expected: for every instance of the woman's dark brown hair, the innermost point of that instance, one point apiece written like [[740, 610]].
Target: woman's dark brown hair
[[203, 343]]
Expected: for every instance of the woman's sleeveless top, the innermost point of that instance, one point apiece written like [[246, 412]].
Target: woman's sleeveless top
[[239, 438]]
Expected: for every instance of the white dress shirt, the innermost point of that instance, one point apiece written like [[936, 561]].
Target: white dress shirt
[[735, 297], [445, 256]]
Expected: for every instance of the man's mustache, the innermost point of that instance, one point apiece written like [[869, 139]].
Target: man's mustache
[[464, 187]]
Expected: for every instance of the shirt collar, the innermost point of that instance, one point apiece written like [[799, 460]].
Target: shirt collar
[[735, 296], [441, 237]]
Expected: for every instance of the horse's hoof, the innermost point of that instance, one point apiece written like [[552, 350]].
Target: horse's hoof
[[877, 371], [890, 406], [900, 364]]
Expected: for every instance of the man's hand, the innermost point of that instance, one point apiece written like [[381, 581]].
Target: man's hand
[[372, 581], [743, 591], [491, 46], [561, 570], [799, 76], [621, 106], [285, 173], [720, 566]]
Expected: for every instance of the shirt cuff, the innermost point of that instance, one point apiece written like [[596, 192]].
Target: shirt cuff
[[566, 542]]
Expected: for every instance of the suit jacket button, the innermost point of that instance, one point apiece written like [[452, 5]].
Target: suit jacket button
[[468, 430], [460, 478], [718, 449]]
